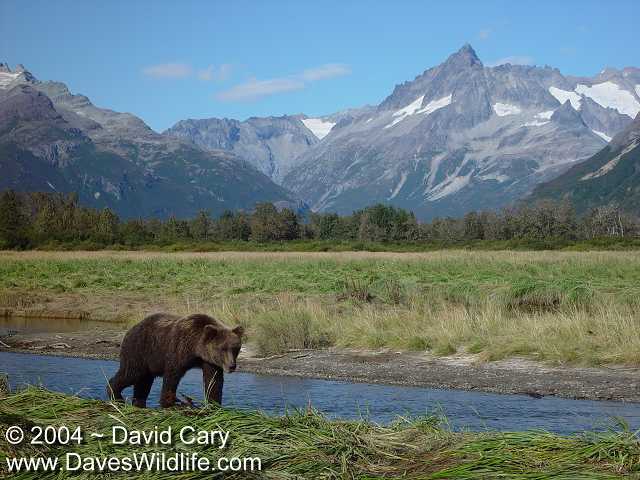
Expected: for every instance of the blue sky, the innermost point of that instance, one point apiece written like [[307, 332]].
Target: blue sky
[[167, 61]]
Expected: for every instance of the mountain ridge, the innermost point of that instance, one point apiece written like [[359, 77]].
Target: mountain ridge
[[611, 177], [460, 136], [53, 140]]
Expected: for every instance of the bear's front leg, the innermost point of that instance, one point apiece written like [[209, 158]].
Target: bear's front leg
[[213, 379], [170, 381]]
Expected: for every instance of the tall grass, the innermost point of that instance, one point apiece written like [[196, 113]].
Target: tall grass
[[304, 444], [582, 308], [602, 332]]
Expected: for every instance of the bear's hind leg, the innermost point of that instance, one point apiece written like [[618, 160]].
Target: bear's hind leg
[[170, 381], [141, 391]]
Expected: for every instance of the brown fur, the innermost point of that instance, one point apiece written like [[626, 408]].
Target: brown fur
[[165, 345]]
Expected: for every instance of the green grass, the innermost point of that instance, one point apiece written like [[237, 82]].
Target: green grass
[[483, 272], [304, 444], [576, 307]]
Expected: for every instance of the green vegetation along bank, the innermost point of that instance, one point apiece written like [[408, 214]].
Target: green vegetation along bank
[[306, 445]]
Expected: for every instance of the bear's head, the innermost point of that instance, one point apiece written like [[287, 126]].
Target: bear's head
[[220, 346]]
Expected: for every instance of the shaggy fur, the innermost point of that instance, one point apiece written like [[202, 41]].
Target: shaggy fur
[[165, 345]]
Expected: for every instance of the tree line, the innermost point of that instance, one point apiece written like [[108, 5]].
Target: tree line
[[39, 220]]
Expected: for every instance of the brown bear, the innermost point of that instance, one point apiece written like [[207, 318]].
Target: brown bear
[[165, 345]]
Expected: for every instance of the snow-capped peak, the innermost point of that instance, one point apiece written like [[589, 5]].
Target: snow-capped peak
[[7, 78]]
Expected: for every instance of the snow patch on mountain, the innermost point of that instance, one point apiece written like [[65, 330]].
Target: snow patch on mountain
[[602, 135], [638, 90], [504, 109], [495, 176], [609, 94], [414, 108], [6, 78], [434, 105], [396, 190], [448, 187], [410, 109], [545, 115], [563, 95], [534, 123], [318, 127]]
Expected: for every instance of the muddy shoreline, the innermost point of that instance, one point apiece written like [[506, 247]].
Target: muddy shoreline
[[417, 369]]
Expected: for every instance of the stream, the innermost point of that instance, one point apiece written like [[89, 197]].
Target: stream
[[335, 399]]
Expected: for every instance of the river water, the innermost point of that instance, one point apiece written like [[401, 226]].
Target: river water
[[379, 403]]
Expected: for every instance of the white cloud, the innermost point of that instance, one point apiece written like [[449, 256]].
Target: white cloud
[[254, 89], [168, 70], [216, 74], [514, 60], [330, 70], [484, 33]]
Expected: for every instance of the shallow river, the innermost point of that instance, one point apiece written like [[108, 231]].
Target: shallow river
[[380, 403]]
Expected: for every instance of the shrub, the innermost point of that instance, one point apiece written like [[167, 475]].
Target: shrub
[[284, 330]]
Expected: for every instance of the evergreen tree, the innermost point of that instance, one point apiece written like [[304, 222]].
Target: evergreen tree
[[201, 226], [289, 227], [106, 228], [265, 223], [13, 222]]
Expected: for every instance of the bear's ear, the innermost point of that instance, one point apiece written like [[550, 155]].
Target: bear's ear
[[211, 332], [239, 331]]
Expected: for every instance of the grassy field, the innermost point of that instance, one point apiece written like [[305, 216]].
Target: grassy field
[[306, 445], [576, 307]]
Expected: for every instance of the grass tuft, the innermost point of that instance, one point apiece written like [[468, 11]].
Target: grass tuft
[[304, 444]]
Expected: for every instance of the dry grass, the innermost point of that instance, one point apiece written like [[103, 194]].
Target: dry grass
[[523, 257], [603, 333]]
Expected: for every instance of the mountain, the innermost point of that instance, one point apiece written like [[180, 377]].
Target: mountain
[[461, 136], [272, 144], [465, 136], [53, 140], [611, 176]]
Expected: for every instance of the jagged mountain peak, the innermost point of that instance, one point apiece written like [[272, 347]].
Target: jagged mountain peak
[[465, 57], [460, 69], [566, 115], [9, 78]]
